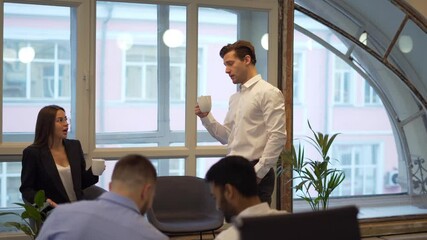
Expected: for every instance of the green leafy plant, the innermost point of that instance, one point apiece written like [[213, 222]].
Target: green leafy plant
[[312, 174], [33, 215]]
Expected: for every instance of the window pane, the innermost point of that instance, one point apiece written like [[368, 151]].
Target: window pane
[[418, 167], [10, 181], [298, 71], [365, 149], [164, 167], [371, 97], [36, 66], [343, 82], [214, 33], [360, 163], [141, 62], [203, 165]]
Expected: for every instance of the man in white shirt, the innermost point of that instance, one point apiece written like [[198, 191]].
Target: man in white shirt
[[233, 184], [254, 126]]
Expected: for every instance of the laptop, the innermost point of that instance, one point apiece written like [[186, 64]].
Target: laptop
[[332, 224]]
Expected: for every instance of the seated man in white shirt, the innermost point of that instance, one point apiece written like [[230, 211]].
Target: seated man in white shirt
[[233, 183]]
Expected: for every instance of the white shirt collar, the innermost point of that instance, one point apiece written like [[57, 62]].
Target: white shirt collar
[[251, 81]]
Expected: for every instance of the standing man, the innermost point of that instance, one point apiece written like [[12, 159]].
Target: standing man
[[117, 214], [254, 126], [233, 184]]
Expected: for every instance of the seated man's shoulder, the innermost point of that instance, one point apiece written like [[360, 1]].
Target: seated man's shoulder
[[231, 233], [274, 211]]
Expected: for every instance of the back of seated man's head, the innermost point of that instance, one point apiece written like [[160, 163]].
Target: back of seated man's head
[[132, 175], [233, 180], [134, 169]]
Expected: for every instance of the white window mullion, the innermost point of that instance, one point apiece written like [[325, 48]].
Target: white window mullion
[[83, 20]]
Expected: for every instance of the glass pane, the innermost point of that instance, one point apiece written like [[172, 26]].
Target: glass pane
[[13, 193], [365, 149], [326, 34], [141, 62], [36, 66], [390, 85], [13, 167], [345, 15], [418, 164], [10, 181], [203, 165], [214, 33], [409, 55], [164, 167]]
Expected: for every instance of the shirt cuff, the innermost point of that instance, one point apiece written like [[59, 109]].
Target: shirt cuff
[[261, 170], [208, 119]]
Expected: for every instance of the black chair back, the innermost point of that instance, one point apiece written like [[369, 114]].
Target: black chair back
[[184, 204]]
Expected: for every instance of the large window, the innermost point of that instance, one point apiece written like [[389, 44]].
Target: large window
[[141, 80], [336, 102], [36, 65], [144, 82], [37, 71], [131, 85]]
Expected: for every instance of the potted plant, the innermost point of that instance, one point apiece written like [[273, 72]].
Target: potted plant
[[311, 174], [33, 215]]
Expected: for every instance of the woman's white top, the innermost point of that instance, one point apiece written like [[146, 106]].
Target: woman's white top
[[67, 181]]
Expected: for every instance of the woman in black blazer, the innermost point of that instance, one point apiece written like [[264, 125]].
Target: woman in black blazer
[[53, 163]]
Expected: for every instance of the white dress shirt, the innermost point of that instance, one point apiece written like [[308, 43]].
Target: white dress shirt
[[261, 209], [254, 126]]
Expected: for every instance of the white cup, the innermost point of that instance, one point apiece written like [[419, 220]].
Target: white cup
[[205, 103], [98, 166]]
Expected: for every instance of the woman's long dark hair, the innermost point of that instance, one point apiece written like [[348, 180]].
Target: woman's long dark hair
[[45, 125]]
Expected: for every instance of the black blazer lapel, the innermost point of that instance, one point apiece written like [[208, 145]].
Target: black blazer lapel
[[74, 156], [51, 169]]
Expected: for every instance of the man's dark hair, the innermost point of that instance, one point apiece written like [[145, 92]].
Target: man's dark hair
[[236, 171], [241, 48]]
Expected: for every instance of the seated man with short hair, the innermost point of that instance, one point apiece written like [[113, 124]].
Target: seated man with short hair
[[117, 214]]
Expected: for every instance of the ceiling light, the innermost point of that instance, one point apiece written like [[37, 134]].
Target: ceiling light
[[364, 38], [26, 54], [405, 43], [173, 38], [264, 41]]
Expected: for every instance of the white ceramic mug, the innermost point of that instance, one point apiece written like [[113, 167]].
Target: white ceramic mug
[[98, 166], [205, 103]]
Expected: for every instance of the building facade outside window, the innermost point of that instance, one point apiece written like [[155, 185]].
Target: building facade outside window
[[343, 83], [371, 98]]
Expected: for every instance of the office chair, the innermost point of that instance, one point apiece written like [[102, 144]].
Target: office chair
[[333, 224], [184, 205], [92, 192]]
